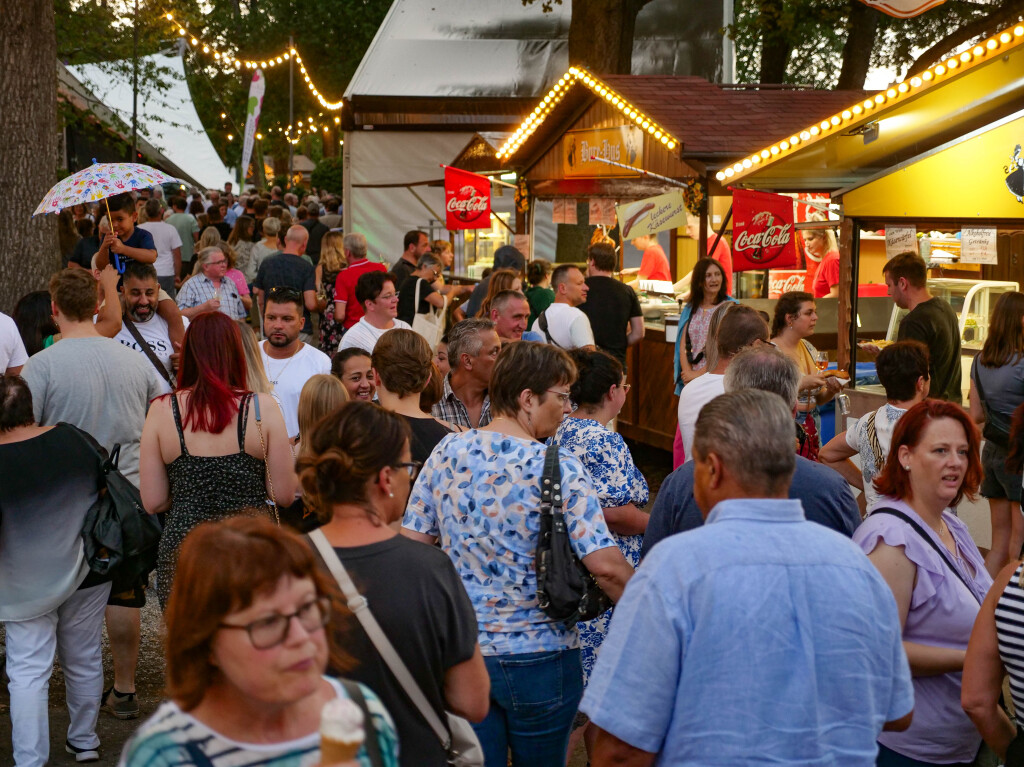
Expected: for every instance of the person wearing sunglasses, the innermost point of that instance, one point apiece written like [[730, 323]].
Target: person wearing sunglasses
[[209, 290], [357, 462], [246, 654]]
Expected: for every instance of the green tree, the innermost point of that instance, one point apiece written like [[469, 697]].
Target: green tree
[[328, 175]]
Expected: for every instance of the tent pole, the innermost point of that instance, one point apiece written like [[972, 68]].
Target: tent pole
[[291, 104]]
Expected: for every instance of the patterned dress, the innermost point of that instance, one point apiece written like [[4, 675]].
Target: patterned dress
[[618, 481], [330, 331]]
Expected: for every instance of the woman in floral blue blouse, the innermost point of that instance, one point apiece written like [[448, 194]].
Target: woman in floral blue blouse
[[599, 394], [479, 493]]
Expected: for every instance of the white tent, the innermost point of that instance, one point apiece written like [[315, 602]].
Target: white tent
[[167, 118]]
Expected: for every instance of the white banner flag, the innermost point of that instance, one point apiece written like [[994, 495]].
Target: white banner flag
[[252, 118]]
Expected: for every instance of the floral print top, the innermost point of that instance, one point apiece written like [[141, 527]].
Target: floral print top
[[479, 493], [605, 455]]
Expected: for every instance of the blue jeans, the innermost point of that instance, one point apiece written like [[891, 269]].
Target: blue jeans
[[534, 697]]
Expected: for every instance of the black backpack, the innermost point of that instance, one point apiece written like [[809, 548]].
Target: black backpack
[[566, 590], [120, 538]]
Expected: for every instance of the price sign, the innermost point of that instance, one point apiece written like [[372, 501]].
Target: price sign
[[900, 239], [978, 246]]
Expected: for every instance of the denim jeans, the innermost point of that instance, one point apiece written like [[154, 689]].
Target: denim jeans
[[534, 697]]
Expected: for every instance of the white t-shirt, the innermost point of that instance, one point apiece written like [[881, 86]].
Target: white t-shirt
[[154, 332], [166, 239], [365, 336], [12, 348], [695, 395], [568, 326], [290, 375], [857, 437]]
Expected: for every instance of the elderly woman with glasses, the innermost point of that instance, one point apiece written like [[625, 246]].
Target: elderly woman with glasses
[[246, 655], [480, 493]]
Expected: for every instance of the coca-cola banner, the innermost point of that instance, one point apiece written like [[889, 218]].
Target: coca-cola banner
[[785, 281], [467, 200], [762, 231]]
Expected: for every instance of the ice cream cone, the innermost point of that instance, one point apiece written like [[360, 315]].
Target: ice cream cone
[[337, 752]]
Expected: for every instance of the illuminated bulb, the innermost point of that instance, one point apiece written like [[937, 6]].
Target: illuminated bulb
[[287, 56], [730, 172], [869, 104], [774, 150], [238, 64], [325, 129], [1003, 38], [992, 44], [337, 120], [671, 145], [835, 120], [230, 137], [857, 109], [747, 163], [664, 140], [720, 176], [1018, 31], [658, 135], [846, 114], [825, 124], [738, 167], [206, 49], [965, 57], [755, 159], [879, 99], [952, 64], [223, 115], [169, 17], [259, 135], [891, 93], [194, 41], [651, 130], [270, 63], [765, 154], [645, 125], [815, 130], [181, 32], [805, 135], [979, 51], [783, 145], [915, 81], [903, 87], [794, 140], [939, 70]]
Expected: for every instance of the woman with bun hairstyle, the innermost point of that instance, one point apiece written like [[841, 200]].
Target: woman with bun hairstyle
[[358, 465], [539, 295]]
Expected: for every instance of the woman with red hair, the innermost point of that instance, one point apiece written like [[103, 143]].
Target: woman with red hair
[[935, 571], [211, 448]]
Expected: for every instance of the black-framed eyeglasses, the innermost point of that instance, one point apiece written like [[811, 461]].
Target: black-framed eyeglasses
[[271, 631], [289, 294], [413, 467]]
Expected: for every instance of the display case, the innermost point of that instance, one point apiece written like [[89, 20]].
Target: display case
[[972, 300]]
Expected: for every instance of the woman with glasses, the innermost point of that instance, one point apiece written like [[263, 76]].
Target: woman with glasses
[[357, 464], [480, 493], [203, 456], [426, 278], [246, 654]]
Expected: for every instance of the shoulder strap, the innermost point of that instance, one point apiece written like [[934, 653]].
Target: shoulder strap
[[148, 351], [542, 323], [243, 417], [177, 422], [355, 693], [938, 549], [551, 481], [416, 300], [361, 608], [873, 443]]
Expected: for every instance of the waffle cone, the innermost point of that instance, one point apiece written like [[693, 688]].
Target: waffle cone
[[337, 752]]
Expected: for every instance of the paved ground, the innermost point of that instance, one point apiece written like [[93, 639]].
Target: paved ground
[[655, 465]]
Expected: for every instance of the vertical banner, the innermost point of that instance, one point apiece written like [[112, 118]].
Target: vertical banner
[[252, 118], [762, 231], [467, 200]]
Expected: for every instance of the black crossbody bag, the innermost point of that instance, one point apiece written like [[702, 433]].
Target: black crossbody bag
[[148, 351], [566, 591]]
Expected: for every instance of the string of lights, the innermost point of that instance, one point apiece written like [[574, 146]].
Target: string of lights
[[231, 60]]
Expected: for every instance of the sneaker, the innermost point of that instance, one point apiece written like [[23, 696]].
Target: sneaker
[[83, 754], [122, 705]]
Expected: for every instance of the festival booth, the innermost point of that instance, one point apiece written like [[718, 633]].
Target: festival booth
[[638, 154], [931, 164]]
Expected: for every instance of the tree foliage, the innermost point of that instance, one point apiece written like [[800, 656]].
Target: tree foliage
[[328, 175]]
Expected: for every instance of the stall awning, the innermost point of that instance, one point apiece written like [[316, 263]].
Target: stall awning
[[964, 93]]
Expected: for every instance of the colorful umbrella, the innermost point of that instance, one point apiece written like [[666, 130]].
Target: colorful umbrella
[[99, 181]]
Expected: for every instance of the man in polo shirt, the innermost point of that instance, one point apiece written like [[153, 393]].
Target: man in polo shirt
[[747, 636], [473, 347], [345, 303], [376, 292]]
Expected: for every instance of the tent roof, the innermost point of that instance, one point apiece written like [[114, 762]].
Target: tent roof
[[501, 48], [167, 119]]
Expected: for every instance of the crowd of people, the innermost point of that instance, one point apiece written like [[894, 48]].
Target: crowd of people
[[270, 388]]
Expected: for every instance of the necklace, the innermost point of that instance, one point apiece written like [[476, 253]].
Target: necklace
[[944, 529], [280, 372]]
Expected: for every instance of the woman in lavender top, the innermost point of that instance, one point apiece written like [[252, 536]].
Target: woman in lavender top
[[935, 571]]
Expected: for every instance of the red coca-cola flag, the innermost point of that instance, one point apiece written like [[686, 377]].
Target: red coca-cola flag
[[467, 200], [763, 236]]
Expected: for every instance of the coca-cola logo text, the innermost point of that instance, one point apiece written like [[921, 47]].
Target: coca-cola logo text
[[785, 282], [763, 237], [467, 204]]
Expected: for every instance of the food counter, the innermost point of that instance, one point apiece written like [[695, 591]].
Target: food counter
[[649, 414]]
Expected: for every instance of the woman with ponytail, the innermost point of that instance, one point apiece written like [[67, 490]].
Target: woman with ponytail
[[358, 465], [204, 456]]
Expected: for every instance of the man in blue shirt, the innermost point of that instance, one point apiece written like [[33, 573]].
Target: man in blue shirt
[[824, 494], [758, 637]]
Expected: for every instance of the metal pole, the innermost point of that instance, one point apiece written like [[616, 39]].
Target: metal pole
[[135, 82], [291, 104]]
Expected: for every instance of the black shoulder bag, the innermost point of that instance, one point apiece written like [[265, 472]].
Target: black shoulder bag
[[566, 590], [991, 431]]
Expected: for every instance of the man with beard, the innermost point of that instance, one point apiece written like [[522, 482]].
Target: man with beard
[[140, 293], [288, 361]]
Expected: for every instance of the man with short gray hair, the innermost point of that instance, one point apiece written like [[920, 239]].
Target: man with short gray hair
[[210, 290], [473, 347], [345, 303], [749, 636], [824, 493]]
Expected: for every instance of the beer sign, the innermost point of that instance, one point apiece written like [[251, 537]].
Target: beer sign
[[763, 234], [580, 148], [467, 200]]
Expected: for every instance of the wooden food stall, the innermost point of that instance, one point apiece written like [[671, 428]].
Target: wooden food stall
[[933, 163], [591, 143]]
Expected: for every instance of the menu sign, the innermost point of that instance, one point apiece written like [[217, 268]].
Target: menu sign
[[978, 246], [763, 233], [580, 148], [900, 239], [652, 215]]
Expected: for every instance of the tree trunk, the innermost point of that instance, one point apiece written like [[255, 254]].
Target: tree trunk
[[601, 35], [775, 44], [28, 148], [863, 26]]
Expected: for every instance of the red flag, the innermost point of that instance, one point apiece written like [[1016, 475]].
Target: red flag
[[762, 231], [467, 200]]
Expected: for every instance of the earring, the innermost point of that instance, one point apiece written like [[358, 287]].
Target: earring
[[906, 468], [391, 495]]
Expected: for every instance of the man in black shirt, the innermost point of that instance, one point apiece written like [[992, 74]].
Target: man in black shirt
[[931, 321], [416, 244], [316, 231], [289, 270], [612, 307]]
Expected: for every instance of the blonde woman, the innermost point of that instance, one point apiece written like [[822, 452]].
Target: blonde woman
[[255, 375], [820, 245], [332, 261]]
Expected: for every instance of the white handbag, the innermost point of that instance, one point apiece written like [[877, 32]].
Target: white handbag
[[458, 739], [430, 325]]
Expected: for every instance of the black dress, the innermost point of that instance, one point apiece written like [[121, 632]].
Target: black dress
[[205, 489], [426, 433]]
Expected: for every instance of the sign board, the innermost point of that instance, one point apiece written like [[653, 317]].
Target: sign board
[[902, 9], [978, 246], [623, 144], [900, 239], [602, 211], [252, 120], [651, 215], [763, 234], [467, 200], [785, 281], [563, 211]]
